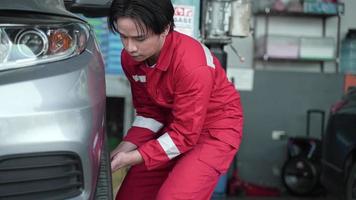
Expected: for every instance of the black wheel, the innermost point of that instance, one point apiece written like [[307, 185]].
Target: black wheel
[[351, 183], [104, 183], [300, 176]]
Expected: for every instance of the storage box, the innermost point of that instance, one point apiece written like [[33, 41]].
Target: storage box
[[278, 46], [319, 7], [317, 48]]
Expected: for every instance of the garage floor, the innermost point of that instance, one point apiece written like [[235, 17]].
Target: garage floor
[[284, 197], [120, 174], [275, 198]]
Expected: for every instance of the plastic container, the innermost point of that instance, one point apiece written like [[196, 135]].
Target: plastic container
[[220, 188], [348, 53]]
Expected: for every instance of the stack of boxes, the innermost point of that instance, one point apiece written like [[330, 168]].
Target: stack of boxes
[[291, 47]]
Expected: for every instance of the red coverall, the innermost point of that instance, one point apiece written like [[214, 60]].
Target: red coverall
[[188, 125]]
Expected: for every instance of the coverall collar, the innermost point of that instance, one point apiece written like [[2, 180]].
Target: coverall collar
[[166, 53]]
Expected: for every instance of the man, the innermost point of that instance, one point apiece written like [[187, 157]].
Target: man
[[188, 124]]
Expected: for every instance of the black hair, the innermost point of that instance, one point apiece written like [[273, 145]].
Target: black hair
[[154, 15]]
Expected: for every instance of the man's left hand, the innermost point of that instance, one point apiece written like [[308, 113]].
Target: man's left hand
[[124, 159]]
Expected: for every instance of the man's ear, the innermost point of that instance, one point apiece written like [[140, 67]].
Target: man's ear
[[166, 30]]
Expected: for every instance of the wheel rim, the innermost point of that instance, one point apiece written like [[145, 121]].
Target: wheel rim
[[299, 177]]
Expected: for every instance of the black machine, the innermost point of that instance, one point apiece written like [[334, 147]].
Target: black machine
[[301, 171]]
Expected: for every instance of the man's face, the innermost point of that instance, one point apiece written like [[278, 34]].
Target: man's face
[[140, 44]]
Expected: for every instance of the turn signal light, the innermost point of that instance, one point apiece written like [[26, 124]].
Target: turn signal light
[[59, 41]]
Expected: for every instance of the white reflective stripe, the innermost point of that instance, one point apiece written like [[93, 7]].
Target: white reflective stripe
[[208, 56], [141, 79], [149, 123], [168, 146]]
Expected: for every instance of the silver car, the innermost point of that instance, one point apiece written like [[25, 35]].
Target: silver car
[[52, 105]]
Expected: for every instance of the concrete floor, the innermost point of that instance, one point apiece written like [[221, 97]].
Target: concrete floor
[[119, 175], [275, 198], [285, 197]]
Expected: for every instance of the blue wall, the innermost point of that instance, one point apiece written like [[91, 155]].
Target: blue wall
[[110, 45]]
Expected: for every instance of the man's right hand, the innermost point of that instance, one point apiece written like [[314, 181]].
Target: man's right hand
[[124, 146]]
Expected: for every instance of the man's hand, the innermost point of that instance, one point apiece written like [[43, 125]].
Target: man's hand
[[124, 159], [124, 146]]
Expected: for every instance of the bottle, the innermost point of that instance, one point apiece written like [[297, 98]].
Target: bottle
[[348, 53]]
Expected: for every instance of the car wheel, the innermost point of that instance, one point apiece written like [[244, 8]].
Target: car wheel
[[351, 183], [300, 176], [104, 183]]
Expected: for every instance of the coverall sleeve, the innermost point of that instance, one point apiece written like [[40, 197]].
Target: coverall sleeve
[[191, 99], [149, 119]]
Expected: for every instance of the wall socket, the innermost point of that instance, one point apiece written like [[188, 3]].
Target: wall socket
[[278, 135]]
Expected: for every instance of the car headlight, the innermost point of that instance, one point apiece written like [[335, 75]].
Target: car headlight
[[26, 45]]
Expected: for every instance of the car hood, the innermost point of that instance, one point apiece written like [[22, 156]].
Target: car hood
[[41, 6]]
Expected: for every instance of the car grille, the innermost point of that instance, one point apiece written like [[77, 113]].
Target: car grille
[[40, 176]]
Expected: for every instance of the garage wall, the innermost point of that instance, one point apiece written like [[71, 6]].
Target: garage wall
[[278, 102]]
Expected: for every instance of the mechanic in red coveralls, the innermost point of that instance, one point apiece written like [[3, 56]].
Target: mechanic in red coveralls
[[188, 124]]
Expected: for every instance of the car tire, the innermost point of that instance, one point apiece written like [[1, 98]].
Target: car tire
[[104, 189], [350, 192], [300, 176]]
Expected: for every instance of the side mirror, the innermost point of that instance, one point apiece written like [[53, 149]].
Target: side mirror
[[89, 8]]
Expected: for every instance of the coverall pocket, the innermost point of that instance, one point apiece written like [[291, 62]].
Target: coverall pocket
[[228, 135], [217, 154]]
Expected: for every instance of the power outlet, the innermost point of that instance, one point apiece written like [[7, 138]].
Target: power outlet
[[278, 135]]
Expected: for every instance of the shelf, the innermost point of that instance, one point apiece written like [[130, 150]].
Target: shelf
[[305, 45], [293, 60], [294, 14], [340, 8]]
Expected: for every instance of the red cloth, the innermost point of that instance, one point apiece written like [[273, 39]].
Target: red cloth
[[192, 175], [186, 91]]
